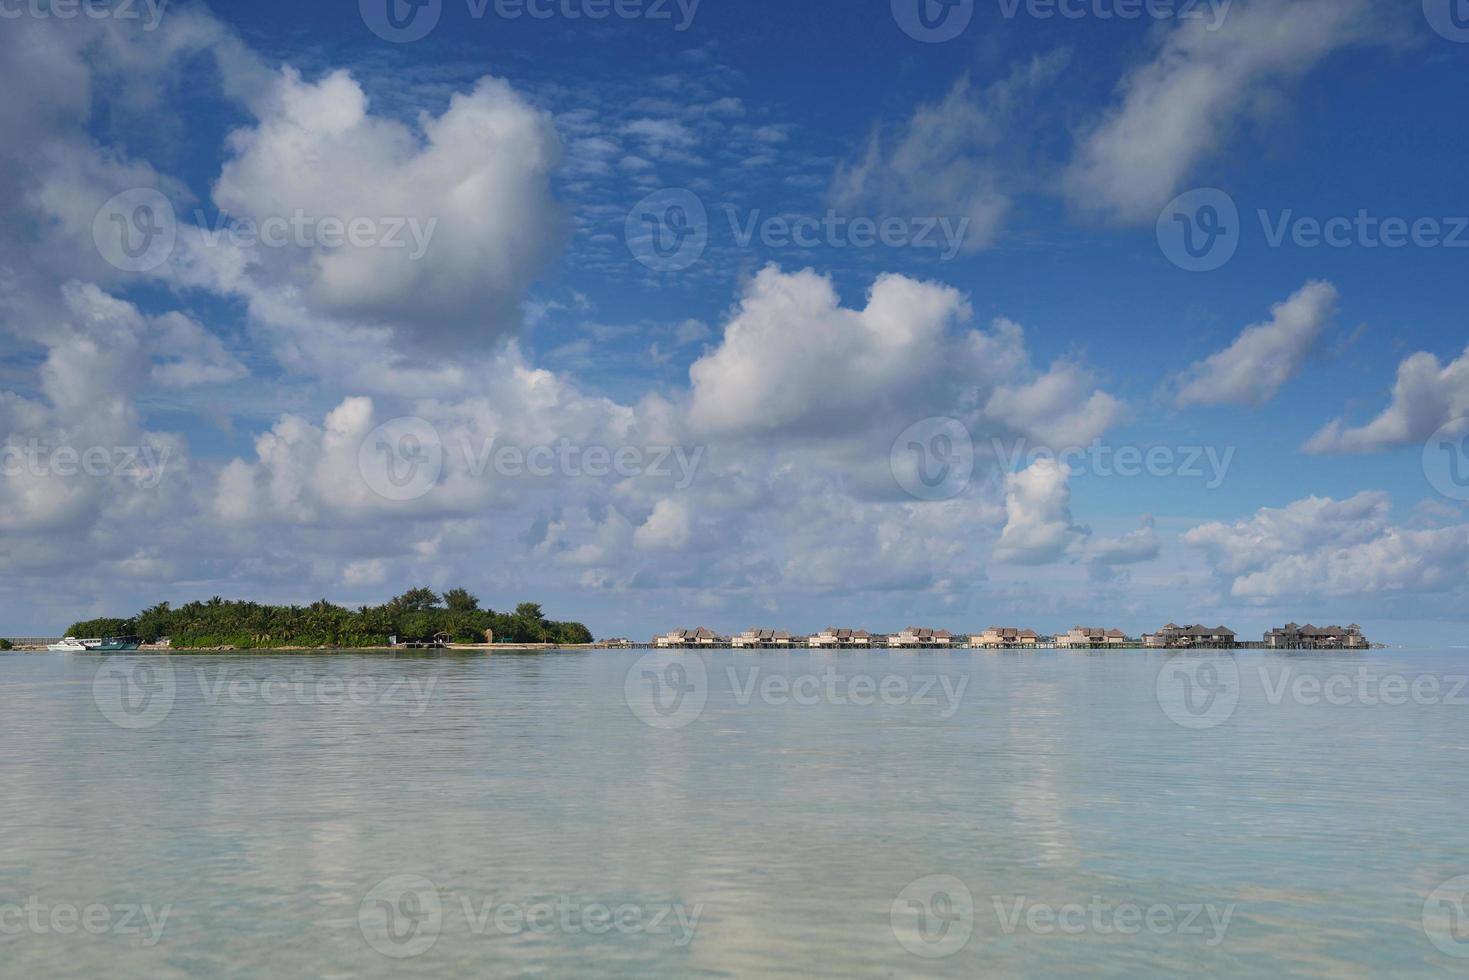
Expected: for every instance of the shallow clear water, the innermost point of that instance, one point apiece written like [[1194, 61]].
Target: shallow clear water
[[370, 815]]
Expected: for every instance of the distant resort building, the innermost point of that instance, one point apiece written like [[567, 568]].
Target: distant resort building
[[1091, 637], [1308, 637], [832, 638], [762, 640], [1175, 637], [700, 637], [1005, 638], [1171, 637], [917, 637]]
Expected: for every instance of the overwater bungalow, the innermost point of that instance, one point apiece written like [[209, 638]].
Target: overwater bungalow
[[761, 640], [833, 638], [1091, 638], [1308, 637], [699, 637], [918, 637], [1196, 637], [1005, 638]]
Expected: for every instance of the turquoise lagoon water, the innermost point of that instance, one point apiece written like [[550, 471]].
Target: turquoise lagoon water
[[724, 814]]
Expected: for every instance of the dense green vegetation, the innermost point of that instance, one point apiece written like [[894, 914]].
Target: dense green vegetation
[[5, 645], [418, 614]]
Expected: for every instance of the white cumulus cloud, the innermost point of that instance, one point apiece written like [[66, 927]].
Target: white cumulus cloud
[[1321, 547], [459, 209], [1187, 102], [1427, 395], [1264, 356], [1038, 526]]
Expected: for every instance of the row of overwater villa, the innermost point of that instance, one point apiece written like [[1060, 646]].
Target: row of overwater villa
[[1170, 637]]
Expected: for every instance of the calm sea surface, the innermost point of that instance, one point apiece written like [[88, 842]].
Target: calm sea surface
[[627, 814]]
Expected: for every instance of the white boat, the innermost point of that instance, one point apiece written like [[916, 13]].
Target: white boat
[[69, 645]]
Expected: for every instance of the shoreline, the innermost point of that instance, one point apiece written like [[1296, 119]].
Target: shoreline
[[527, 648], [451, 648]]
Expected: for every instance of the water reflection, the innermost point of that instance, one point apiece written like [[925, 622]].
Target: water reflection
[[264, 818]]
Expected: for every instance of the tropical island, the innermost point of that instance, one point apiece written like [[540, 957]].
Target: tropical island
[[419, 615]]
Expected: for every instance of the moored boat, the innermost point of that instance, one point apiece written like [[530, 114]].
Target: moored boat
[[114, 644], [69, 645]]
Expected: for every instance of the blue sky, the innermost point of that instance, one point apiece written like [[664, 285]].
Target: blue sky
[[519, 147]]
